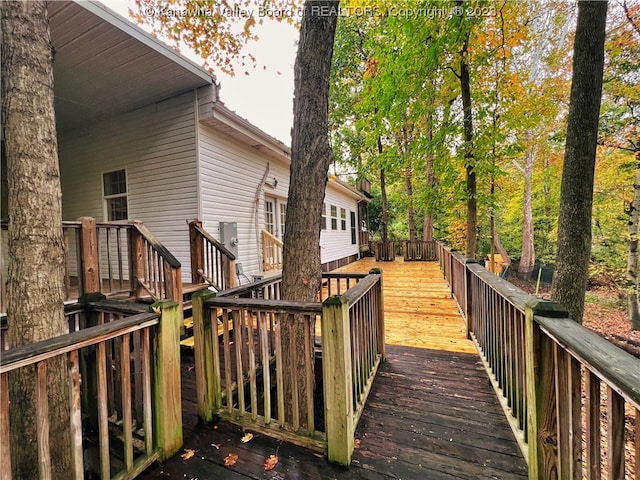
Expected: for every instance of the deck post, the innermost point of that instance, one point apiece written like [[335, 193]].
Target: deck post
[[207, 382], [337, 379], [382, 349], [167, 397], [468, 297], [540, 389], [90, 270], [138, 266], [197, 250], [173, 283]]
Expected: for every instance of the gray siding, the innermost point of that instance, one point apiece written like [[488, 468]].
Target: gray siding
[[336, 244], [230, 174], [157, 147]]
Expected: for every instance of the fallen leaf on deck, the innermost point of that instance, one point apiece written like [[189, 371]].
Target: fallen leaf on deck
[[247, 437], [271, 462], [156, 309], [230, 459], [188, 453], [190, 367], [356, 443], [216, 445]]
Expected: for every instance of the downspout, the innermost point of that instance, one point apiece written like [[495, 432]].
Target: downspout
[[256, 205]]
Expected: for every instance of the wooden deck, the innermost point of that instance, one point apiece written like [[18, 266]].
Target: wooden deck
[[431, 414], [418, 308]]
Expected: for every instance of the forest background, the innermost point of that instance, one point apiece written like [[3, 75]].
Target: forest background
[[397, 118]]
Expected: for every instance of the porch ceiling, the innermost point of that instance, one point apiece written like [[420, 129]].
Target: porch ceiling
[[105, 65]]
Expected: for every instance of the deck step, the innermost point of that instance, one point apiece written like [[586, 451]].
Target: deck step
[[188, 341]]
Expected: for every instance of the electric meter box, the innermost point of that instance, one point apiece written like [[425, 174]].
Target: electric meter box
[[229, 236]]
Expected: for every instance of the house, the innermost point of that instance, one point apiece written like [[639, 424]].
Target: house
[[144, 135]]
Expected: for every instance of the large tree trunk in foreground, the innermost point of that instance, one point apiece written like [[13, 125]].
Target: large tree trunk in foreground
[[311, 156], [576, 196], [35, 290]]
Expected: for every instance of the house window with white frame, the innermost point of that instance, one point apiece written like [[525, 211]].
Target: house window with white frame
[[114, 186], [343, 219], [334, 217], [323, 219]]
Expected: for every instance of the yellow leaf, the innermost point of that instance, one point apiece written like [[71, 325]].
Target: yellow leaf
[[188, 453], [271, 462], [247, 437], [356, 443], [230, 459], [156, 309]]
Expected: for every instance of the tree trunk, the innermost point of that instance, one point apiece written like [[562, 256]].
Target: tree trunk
[[411, 213], [472, 208], [35, 290], [528, 257], [427, 224], [383, 196], [632, 251], [576, 195], [311, 156]]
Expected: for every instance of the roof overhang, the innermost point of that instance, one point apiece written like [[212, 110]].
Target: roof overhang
[[344, 187], [226, 121], [105, 65]]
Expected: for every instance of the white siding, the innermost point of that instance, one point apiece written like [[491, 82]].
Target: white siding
[[230, 174], [336, 244], [157, 147]]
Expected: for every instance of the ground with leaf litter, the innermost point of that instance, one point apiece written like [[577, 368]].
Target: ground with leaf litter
[[431, 414], [604, 312]]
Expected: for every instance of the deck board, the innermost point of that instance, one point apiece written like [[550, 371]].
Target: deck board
[[431, 414], [418, 307]]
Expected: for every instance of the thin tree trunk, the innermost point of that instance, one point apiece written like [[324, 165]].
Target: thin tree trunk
[[311, 156], [632, 251], [411, 213], [35, 290], [528, 256], [472, 207], [383, 195], [576, 197], [427, 224]]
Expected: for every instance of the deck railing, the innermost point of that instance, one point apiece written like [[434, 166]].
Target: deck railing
[[115, 258], [211, 262], [572, 397], [72, 240], [124, 383], [242, 378], [271, 252], [419, 250], [384, 251]]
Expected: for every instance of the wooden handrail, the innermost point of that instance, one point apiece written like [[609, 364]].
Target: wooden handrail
[[541, 364], [252, 323], [220, 246], [211, 262], [32, 353], [166, 255], [135, 378], [271, 252]]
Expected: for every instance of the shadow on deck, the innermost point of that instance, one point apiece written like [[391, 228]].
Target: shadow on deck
[[432, 412]]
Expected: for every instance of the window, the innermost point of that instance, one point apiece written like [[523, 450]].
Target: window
[[115, 195], [353, 227], [343, 219], [269, 217], [323, 219], [283, 218], [334, 217]]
